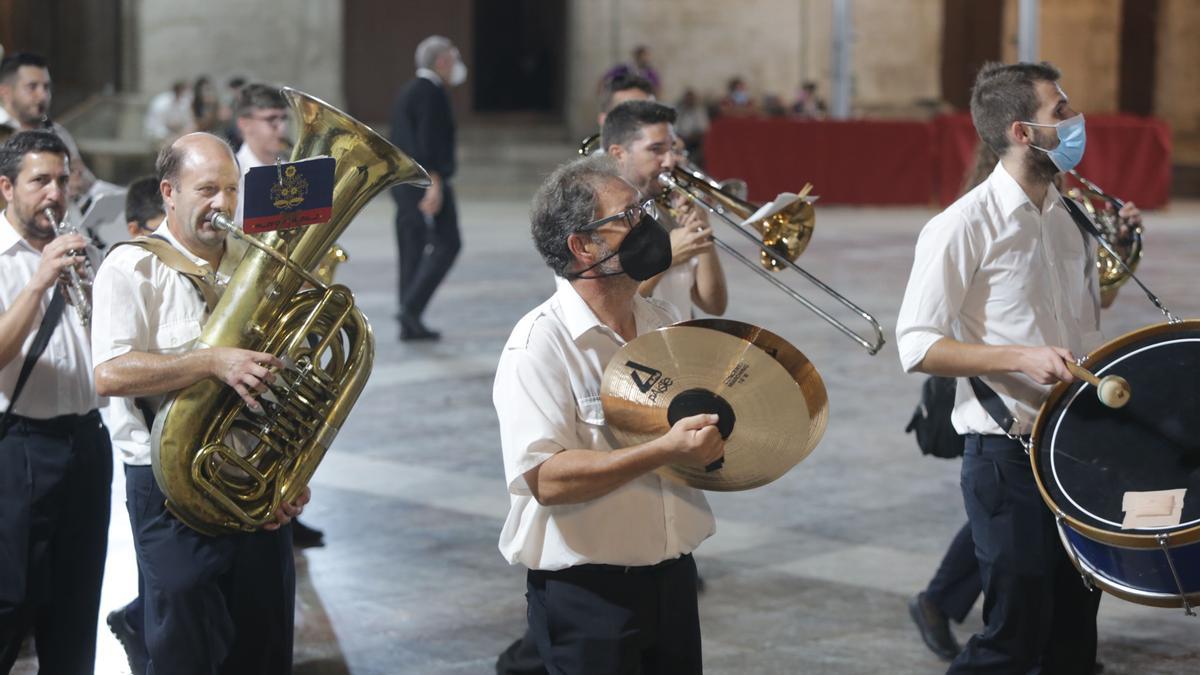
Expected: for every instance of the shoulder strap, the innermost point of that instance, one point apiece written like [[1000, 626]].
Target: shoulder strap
[[173, 258], [990, 400], [49, 322]]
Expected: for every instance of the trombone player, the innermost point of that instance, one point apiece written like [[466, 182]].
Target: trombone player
[[212, 603], [639, 136]]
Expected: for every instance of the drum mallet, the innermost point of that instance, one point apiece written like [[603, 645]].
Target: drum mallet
[[1112, 390]]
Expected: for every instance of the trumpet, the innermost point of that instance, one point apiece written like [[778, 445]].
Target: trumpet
[[78, 283], [783, 236], [1115, 266]]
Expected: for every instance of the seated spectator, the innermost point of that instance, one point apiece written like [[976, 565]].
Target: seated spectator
[[691, 123], [737, 101], [807, 103], [206, 108], [169, 115], [640, 67]]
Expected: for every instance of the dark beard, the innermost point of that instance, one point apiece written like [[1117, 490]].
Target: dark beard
[[1038, 165]]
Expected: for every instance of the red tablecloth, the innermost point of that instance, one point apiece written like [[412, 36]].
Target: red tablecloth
[[848, 162], [917, 162]]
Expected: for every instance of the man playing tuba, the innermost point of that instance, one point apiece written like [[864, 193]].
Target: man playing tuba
[[212, 603]]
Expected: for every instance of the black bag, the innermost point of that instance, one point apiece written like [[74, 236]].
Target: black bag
[[931, 420]]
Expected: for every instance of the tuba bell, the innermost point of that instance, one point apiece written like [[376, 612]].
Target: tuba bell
[[222, 467]]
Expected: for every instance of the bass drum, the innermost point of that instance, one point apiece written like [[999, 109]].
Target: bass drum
[[1124, 483]]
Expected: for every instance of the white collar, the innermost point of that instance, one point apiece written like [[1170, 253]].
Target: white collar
[[579, 317], [429, 75], [1012, 196], [9, 237]]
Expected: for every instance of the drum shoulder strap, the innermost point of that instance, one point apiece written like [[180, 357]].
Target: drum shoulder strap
[[990, 400], [173, 258]]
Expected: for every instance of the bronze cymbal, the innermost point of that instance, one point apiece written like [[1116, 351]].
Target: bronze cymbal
[[771, 401]]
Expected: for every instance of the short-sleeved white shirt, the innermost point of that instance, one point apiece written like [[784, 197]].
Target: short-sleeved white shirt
[[61, 380], [144, 306], [547, 396]]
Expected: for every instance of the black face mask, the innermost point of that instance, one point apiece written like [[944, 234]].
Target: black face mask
[[645, 252]]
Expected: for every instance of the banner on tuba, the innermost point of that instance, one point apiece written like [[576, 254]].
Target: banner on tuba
[[288, 194]]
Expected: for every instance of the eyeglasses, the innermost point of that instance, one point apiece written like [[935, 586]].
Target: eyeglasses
[[632, 215]]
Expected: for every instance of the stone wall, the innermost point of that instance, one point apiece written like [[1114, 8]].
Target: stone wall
[[773, 44], [293, 42], [1177, 88]]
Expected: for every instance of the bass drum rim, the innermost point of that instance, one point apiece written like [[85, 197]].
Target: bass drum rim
[[1127, 540], [1100, 580]]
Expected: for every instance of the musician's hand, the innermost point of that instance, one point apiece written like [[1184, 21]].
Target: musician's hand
[[695, 441], [1045, 365], [246, 371], [55, 260], [689, 242], [1131, 219], [288, 512]]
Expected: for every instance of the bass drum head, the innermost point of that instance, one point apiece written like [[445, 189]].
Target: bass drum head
[[1088, 456]]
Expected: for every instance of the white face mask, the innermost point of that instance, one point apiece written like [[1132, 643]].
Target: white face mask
[[458, 74]]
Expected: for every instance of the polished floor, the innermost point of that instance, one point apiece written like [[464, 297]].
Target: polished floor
[[807, 575]]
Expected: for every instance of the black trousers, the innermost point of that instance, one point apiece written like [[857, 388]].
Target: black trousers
[[606, 619], [55, 496], [956, 585], [220, 604], [1037, 611], [427, 251]]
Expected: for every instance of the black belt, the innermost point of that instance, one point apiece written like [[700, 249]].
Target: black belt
[[628, 569], [994, 444], [63, 425]]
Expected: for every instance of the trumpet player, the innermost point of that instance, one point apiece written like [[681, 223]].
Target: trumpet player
[[212, 604], [640, 138], [55, 454]]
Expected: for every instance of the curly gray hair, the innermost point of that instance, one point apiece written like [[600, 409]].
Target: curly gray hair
[[565, 202]]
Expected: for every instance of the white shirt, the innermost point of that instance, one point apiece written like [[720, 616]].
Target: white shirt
[[143, 305], [991, 269], [675, 287], [168, 116], [246, 160], [547, 396], [61, 381]]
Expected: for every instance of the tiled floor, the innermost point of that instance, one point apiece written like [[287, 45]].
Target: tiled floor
[[807, 575]]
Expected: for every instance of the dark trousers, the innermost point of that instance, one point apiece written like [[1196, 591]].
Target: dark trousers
[[956, 585], [1038, 614], [606, 619], [220, 604], [427, 251], [55, 496]]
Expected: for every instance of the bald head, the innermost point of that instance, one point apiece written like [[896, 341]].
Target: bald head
[[198, 176], [194, 146]]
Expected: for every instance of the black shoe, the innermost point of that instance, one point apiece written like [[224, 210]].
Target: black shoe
[[131, 641], [304, 536], [411, 329], [934, 627]]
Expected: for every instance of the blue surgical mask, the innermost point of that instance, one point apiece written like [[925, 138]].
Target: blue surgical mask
[[1072, 140]]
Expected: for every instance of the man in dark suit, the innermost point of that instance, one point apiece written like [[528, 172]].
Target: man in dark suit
[[426, 220]]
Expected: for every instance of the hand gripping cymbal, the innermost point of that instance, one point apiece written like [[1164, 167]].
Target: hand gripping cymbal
[[771, 401]]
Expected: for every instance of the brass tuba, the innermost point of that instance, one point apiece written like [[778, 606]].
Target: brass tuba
[[223, 467], [1103, 209]]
